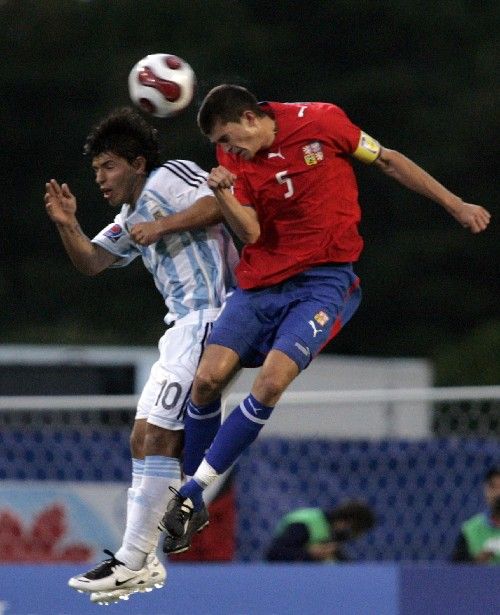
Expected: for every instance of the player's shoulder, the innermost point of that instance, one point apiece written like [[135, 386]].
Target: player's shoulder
[[122, 215], [306, 109], [177, 171]]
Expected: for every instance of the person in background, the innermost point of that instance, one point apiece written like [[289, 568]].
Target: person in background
[[316, 535], [170, 218], [479, 539]]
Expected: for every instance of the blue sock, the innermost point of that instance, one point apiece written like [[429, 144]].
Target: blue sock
[[237, 432], [193, 491], [200, 426]]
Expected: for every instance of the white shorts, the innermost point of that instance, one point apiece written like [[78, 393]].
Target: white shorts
[[164, 397]]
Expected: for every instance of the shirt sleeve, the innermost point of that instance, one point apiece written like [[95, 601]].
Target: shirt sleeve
[[115, 238], [180, 183], [346, 137], [338, 128]]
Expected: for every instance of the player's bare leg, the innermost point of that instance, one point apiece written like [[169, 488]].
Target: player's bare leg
[[238, 431]]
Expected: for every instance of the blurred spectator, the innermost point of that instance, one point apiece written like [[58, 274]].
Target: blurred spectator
[[316, 535], [479, 538]]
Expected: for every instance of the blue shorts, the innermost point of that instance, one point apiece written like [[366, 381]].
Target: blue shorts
[[298, 316]]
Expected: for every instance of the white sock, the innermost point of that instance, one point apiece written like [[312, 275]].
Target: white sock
[[147, 508], [205, 475], [137, 474]]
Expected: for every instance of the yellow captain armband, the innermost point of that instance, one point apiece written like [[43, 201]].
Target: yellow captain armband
[[368, 149]]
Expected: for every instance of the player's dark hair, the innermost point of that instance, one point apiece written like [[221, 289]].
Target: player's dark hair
[[127, 134], [359, 514], [226, 103]]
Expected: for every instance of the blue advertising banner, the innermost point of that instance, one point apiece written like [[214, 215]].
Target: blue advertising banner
[[269, 589]]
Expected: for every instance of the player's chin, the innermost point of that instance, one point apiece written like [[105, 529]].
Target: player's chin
[[246, 154]]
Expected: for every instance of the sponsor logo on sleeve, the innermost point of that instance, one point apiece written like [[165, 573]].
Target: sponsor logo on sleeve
[[114, 232]]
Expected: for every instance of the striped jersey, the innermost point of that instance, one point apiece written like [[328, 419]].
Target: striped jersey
[[193, 270]]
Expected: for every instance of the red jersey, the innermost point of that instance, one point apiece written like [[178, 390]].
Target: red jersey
[[304, 192]]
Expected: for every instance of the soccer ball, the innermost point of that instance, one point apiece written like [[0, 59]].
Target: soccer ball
[[161, 84]]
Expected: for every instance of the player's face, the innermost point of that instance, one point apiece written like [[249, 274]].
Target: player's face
[[244, 138], [119, 180]]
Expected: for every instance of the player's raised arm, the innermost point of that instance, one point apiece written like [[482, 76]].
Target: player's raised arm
[[406, 172], [202, 213], [242, 220], [61, 207]]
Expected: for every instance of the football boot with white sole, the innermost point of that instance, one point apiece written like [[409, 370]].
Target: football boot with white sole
[[157, 578], [109, 575]]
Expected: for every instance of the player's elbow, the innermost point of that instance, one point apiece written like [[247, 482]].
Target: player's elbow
[[250, 235], [92, 262], [88, 268], [90, 272]]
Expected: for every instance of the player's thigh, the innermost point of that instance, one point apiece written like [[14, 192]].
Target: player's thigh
[[241, 328], [165, 394], [164, 442], [217, 367], [320, 302]]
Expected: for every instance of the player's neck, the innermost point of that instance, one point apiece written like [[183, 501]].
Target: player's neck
[[136, 193]]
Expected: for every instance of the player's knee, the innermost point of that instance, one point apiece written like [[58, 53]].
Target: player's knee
[[207, 385], [136, 445], [164, 442], [269, 386], [278, 371]]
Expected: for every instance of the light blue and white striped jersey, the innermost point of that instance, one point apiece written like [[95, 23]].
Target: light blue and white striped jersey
[[193, 270]]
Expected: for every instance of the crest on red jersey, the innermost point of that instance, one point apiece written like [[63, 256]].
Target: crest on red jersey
[[313, 153]]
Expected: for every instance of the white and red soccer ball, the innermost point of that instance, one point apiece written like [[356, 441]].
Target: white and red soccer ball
[[161, 84]]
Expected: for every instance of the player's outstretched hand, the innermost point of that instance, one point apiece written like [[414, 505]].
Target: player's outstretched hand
[[220, 178], [60, 203], [473, 217], [146, 233]]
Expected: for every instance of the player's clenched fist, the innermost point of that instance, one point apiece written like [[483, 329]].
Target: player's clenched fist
[[220, 178], [60, 203], [146, 233], [473, 217]]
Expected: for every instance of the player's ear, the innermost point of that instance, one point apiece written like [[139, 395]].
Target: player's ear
[[249, 117], [139, 164]]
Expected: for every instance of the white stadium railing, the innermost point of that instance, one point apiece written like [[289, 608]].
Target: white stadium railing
[[296, 398], [372, 413]]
